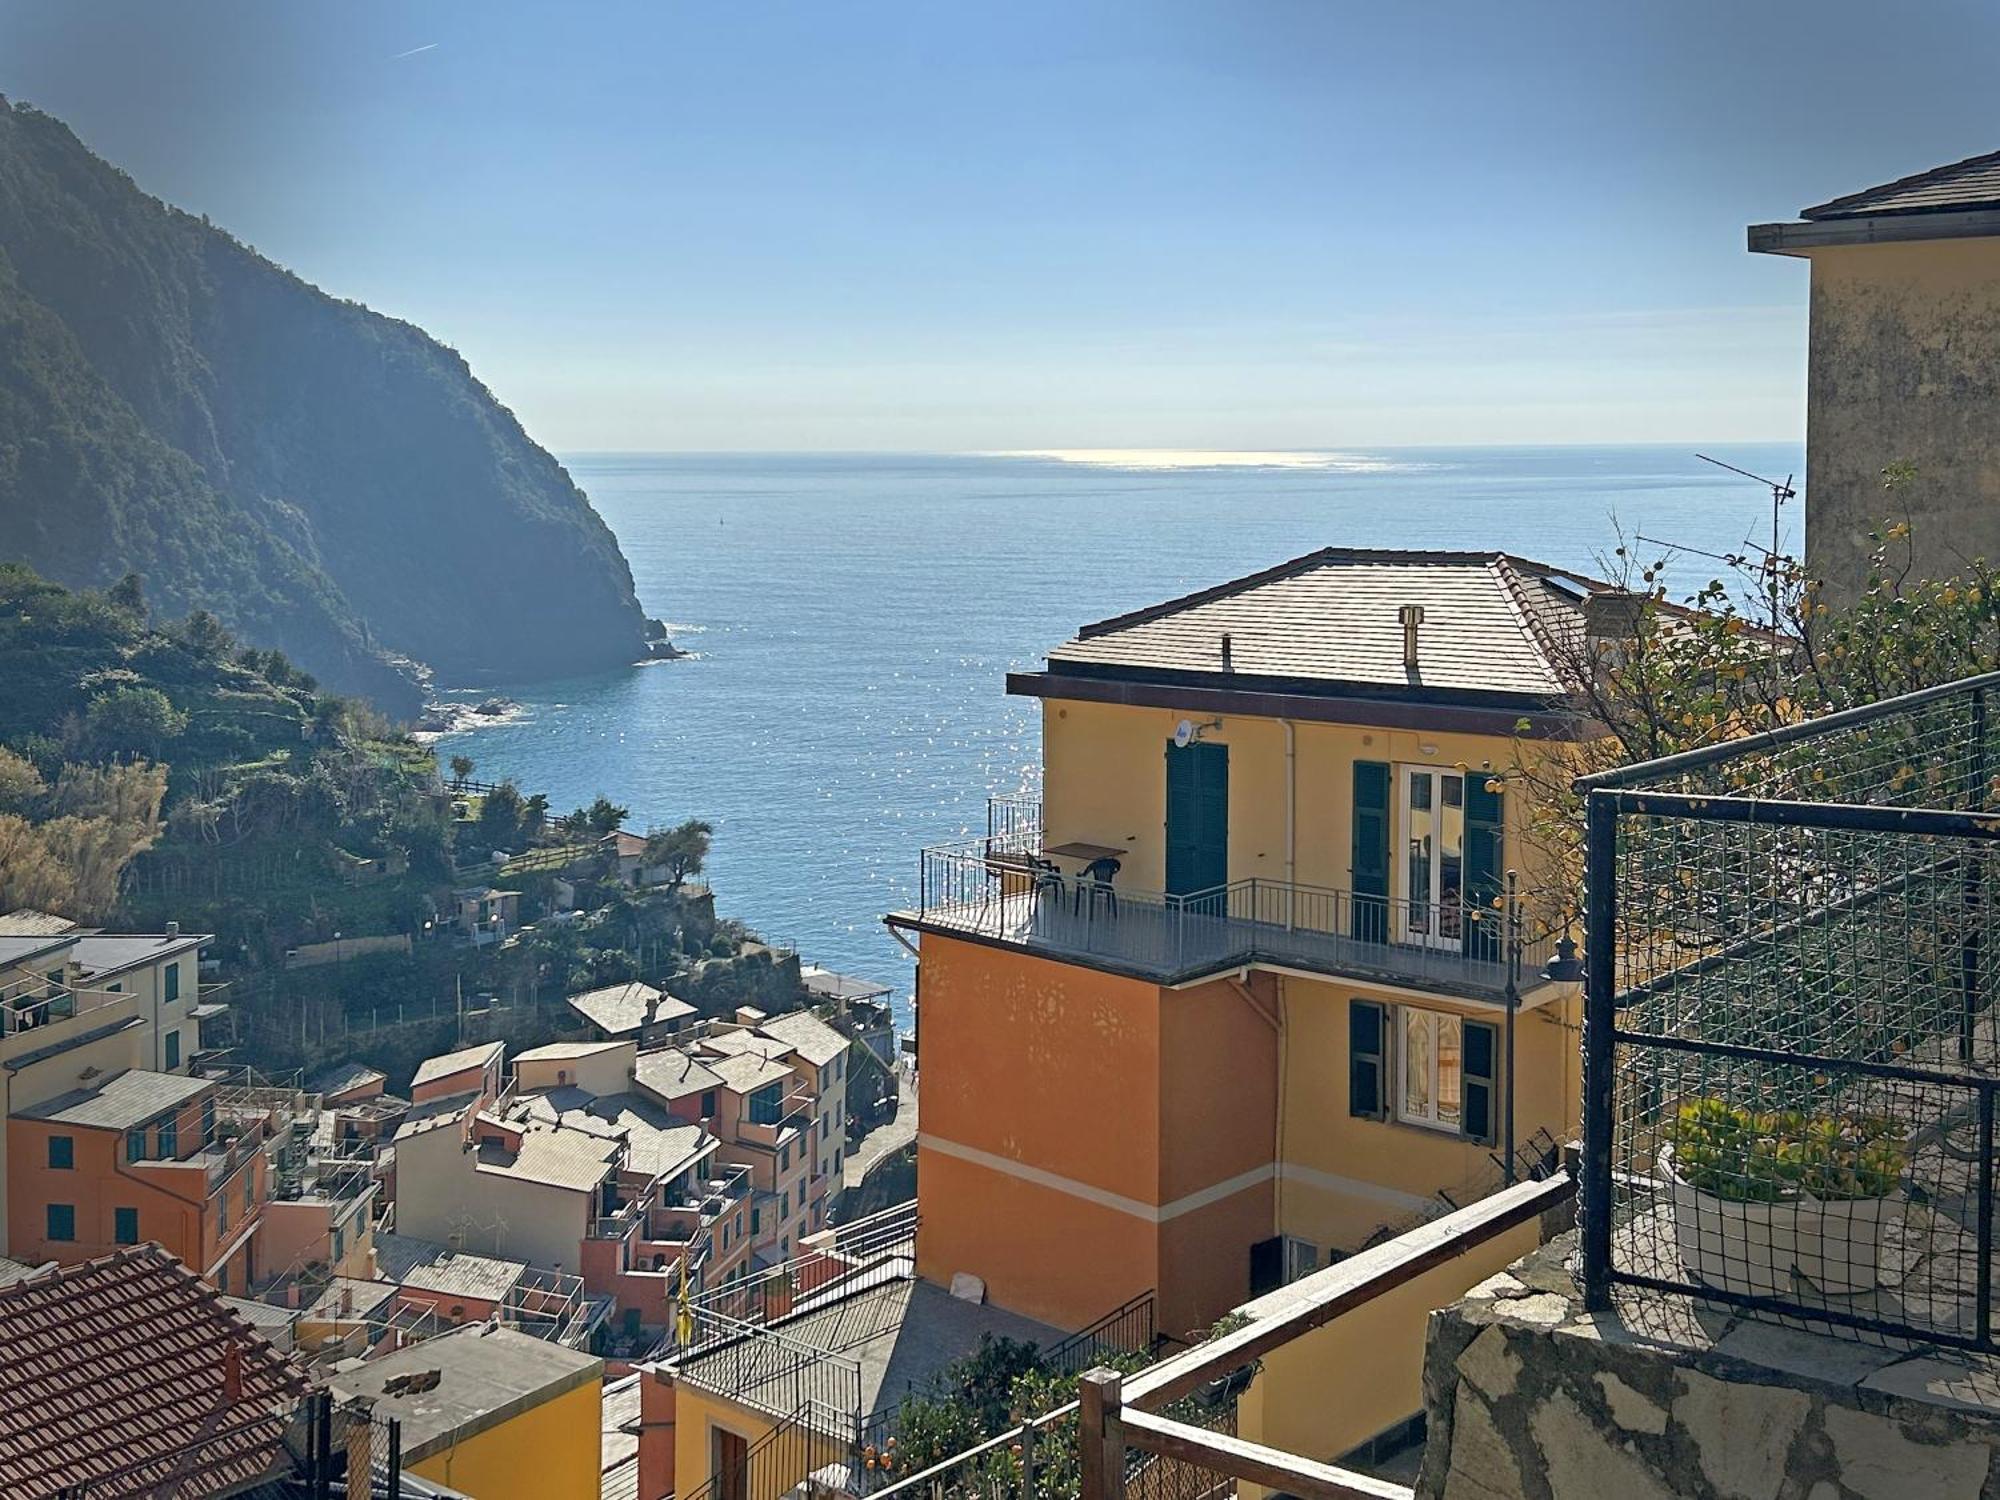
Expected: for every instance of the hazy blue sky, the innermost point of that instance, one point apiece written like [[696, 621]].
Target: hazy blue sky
[[935, 225]]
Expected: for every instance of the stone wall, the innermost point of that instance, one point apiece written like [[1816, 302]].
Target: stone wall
[[1531, 1398]]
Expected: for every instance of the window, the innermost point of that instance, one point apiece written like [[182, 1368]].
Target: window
[[170, 1138], [173, 1050], [784, 1157], [173, 991], [1433, 873], [126, 1222], [756, 1220], [708, 1104], [222, 1281], [62, 1221], [784, 1205], [339, 1245], [764, 1105], [249, 1188], [836, 1158], [1366, 1094], [135, 1144], [222, 1216], [1429, 1068], [208, 1119], [62, 1152]]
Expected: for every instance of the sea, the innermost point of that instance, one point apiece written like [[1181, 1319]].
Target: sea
[[851, 619]]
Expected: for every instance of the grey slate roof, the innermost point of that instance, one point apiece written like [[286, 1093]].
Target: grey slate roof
[[1971, 183], [807, 1035], [131, 1098], [672, 1074], [574, 1159], [455, 1062], [621, 1008], [104, 953], [747, 1071], [1492, 624], [659, 1145], [425, 1266], [484, 1377], [342, 1076]]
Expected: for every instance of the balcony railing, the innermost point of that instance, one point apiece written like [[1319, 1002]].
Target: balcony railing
[[1002, 891], [1791, 1048]]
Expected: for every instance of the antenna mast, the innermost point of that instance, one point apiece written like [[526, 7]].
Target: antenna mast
[[1780, 493]]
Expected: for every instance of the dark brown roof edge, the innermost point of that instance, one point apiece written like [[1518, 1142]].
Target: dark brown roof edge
[[1875, 229], [1544, 720], [1846, 202], [1319, 558]]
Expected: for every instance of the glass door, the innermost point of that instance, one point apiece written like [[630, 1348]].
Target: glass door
[[1431, 873]]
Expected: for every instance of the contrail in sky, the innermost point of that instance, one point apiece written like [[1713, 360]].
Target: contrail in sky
[[413, 52]]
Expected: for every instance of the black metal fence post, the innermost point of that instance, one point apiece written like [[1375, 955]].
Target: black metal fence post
[[1600, 1013]]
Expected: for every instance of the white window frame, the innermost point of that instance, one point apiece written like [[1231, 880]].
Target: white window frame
[[1401, 1111], [1405, 899]]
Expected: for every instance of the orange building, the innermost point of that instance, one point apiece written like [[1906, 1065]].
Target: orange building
[[134, 1158], [1273, 968]]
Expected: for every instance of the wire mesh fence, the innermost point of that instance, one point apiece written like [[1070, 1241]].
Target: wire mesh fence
[[1790, 1045]]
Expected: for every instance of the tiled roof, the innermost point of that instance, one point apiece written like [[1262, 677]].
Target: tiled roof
[[425, 1266], [809, 1036], [114, 1371], [25, 920], [1971, 183], [747, 1070], [621, 1439], [431, 1114], [573, 1159], [672, 1074], [564, 1051], [620, 1008], [12, 1271], [341, 1077], [463, 1060], [1333, 616], [131, 1098]]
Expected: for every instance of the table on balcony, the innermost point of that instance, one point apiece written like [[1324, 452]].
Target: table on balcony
[[1086, 853]]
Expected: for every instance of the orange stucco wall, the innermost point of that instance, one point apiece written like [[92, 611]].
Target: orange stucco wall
[[1134, 1097]]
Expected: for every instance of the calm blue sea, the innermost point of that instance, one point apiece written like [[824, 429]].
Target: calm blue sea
[[853, 617]]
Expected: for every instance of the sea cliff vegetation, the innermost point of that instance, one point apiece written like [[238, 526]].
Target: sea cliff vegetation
[[320, 478]]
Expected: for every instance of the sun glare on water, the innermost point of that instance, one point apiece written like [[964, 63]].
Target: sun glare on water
[[1203, 458]]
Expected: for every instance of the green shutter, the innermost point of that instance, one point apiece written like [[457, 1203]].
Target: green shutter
[[1367, 1040], [1485, 864], [1369, 868], [1480, 1047]]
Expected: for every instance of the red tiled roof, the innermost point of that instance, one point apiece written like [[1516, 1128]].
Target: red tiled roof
[[114, 1373]]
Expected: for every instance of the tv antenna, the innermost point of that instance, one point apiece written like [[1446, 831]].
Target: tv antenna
[[1780, 493]]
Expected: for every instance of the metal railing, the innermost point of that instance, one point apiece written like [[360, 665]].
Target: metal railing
[[1791, 1048], [1011, 894]]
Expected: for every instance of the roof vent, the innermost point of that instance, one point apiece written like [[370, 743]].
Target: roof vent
[[1227, 664], [1411, 615]]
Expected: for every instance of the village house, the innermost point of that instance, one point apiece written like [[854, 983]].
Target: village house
[[634, 1011], [163, 970], [1280, 903]]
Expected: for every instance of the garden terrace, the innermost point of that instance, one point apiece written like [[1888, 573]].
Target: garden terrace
[[1791, 1050]]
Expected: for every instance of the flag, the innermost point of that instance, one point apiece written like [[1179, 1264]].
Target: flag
[[684, 1318]]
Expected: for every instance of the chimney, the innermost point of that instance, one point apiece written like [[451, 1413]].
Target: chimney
[[1227, 664], [1411, 615], [173, 929], [1612, 615], [232, 1373]]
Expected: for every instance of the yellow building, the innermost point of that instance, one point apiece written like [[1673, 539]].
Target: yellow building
[[491, 1413], [1248, 990], [1904, 368]]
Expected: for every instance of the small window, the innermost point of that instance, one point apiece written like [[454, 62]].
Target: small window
[[836, 1158], [222, 1216], [173, 982], [784, 1158], [708, 1104], [765, 1105], [62, 1152], [249, 1189], [126, 1225], [135, 1144], [756, 1220], [173, 1050], [62, 1222]]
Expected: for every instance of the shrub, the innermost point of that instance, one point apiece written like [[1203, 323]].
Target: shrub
[[1758, 1156]]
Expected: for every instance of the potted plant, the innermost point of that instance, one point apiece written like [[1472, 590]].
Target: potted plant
[[1763, 1197]]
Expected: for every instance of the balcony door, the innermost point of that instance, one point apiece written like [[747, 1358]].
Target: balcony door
[[1197, 818], [1431, 872]]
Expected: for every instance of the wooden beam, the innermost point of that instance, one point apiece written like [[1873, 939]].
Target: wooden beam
[[1243, 1459], [1100, 1435], [1351, 1283]]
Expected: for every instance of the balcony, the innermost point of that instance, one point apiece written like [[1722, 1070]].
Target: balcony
[[1792, 1051], [1002, 890]]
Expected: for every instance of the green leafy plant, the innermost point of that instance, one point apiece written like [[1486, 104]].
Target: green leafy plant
[[1766, 1156]]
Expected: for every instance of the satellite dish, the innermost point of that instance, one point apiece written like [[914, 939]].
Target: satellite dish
[[1183, 734]]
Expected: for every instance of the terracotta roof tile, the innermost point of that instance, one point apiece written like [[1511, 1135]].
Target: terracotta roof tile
[[125, 1358]]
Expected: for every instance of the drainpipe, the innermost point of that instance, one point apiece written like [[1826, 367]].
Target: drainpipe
[[1291, 820], [1513, 1005]]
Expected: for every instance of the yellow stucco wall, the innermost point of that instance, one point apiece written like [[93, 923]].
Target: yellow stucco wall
[[1346, 1381], [698, 1415], [1346, 1176], [1904, 368], [549, 1452], [1105, 781]]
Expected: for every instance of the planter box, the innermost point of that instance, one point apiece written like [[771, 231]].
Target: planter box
[[1756, 1248]]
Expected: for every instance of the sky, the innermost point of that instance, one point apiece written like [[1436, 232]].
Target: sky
[[1246, 224]]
